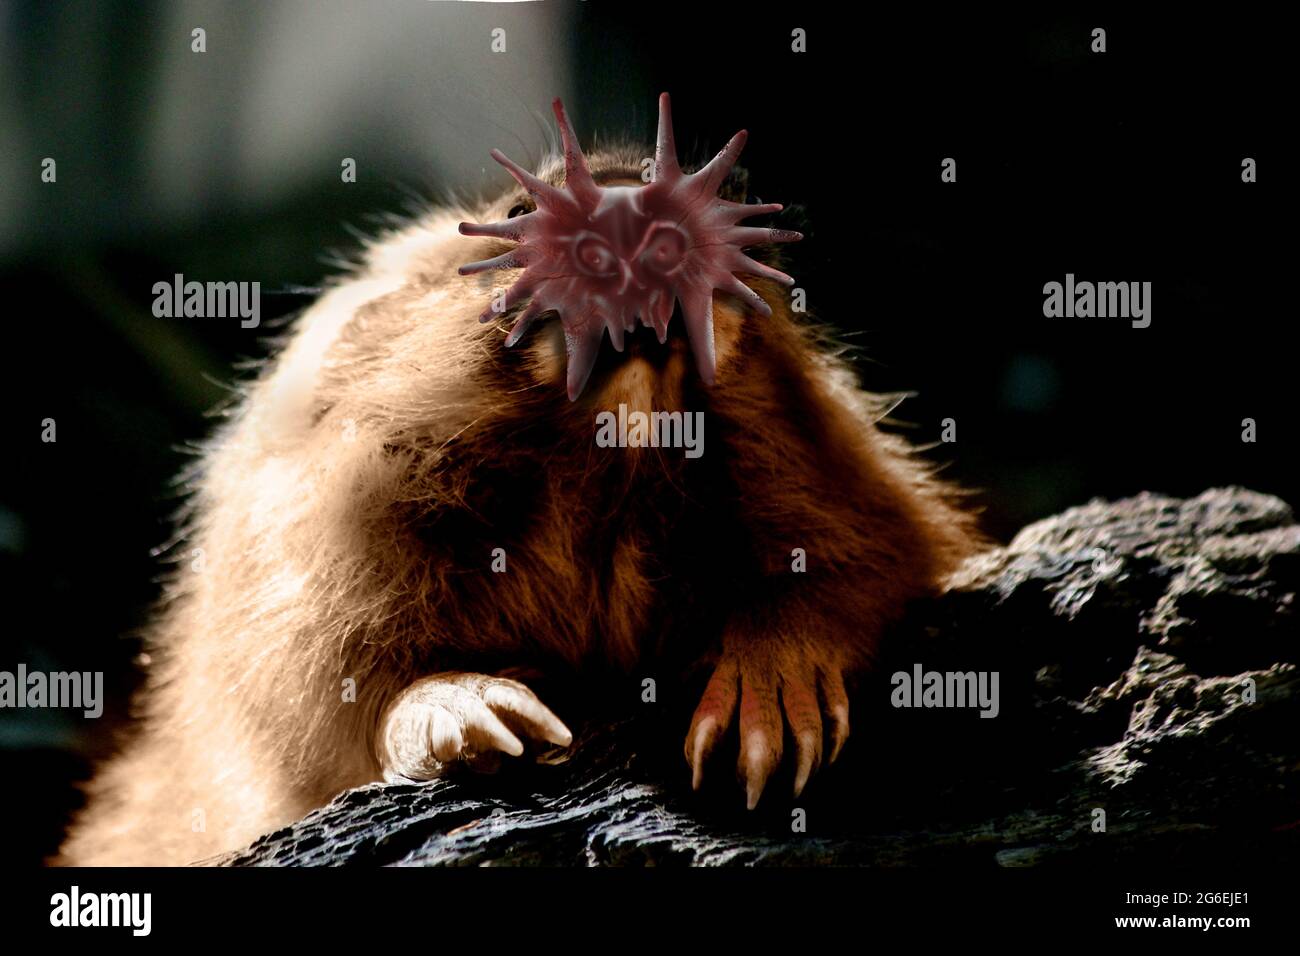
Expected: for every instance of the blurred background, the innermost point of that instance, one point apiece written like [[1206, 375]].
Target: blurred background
[[225, 165]]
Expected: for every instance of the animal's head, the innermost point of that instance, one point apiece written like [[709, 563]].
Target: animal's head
[[607, 257]]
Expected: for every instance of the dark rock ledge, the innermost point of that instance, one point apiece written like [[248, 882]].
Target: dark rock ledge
[[1125, 634]]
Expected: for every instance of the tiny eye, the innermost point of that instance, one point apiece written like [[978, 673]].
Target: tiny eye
[[664, 250], [595, 258], [518, 209]]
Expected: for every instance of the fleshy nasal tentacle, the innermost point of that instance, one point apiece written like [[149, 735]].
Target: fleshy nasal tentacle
[[744, 236], [514, 259], [539, 189], [577, 177], [719, 167], [582, 346], [514, 295], [697, 311], [665, 164], [513, 229], [746, 294], [534, 309]]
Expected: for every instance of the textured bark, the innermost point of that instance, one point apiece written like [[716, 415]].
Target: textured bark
[[1124, 635]]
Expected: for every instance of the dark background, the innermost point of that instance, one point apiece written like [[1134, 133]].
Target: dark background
[[1122, 166]]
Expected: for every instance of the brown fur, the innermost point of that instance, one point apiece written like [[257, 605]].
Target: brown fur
[[348, 510]]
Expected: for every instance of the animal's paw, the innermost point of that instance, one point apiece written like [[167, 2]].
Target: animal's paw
[[461, 716], [775, 686]]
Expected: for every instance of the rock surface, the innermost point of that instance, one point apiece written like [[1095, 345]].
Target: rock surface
[[1146, 652]]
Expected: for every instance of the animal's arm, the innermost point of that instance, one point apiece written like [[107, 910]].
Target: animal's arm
[[842, 528]]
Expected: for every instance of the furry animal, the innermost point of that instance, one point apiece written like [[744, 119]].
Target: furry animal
[[404, 527]]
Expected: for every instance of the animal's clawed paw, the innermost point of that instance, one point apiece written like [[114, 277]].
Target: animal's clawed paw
[[775, 688], [462, 716]]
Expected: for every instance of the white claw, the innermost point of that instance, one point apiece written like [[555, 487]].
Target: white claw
[[523, 703]]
